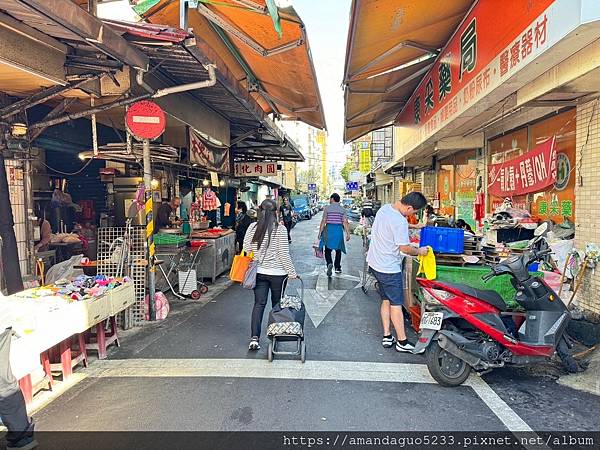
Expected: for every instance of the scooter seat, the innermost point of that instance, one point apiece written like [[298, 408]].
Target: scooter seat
[[490, 297]]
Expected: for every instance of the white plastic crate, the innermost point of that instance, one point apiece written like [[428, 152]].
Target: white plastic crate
[[187, 282], [121, 298]]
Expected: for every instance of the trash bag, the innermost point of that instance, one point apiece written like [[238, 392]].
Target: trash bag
[[64, 270]]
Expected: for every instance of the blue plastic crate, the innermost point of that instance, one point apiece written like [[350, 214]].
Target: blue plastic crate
[[444, 240]]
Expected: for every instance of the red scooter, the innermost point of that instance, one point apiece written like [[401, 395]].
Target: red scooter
[[464, 329]]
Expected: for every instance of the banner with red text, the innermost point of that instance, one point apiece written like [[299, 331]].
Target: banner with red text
[[531, 172], [215, 159], [483, 54]]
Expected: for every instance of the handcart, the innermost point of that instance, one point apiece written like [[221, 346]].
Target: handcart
[[184, 263], [367, 280], [288, 331]]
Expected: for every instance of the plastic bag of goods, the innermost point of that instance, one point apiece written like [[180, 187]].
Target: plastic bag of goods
[[161, 306]]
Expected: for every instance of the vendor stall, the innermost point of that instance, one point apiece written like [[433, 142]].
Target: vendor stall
[[464, 258], [217, 247], [50, 316], [219, 255]]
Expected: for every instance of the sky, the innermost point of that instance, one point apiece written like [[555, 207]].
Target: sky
[[326, 24]]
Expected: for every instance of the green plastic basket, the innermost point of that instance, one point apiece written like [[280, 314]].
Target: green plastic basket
[[168, 239], [471, 276]]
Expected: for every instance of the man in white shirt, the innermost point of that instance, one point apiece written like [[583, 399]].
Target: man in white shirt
[[389, 241]]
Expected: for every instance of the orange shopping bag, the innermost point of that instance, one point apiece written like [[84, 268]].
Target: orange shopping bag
[[239, 266]]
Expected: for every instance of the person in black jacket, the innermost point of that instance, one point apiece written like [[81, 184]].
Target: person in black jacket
[[242, 222], [287, 215]]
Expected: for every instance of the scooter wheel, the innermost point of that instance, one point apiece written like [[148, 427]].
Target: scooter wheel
[[270, 352], [445, 368], [195, 294]]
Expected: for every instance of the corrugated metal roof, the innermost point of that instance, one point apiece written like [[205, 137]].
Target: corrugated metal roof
[[180, 57], [66, 21], [283, 67]]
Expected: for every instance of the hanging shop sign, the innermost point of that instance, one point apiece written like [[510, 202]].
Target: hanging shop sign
[[481, 56], [531, 172], [145, 120], [364, 164], [312, 187], [215, 159], [352, 186], [255, 169]]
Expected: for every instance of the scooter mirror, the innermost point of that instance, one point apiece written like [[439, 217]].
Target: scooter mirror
[[541, 230], [534, 241]]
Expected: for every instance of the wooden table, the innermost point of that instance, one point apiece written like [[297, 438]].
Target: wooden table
[[64, 250], [90, 269]]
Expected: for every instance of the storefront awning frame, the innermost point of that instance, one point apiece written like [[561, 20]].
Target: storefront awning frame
[[390, 48], [65, 20], [276, 70], [183, 58]]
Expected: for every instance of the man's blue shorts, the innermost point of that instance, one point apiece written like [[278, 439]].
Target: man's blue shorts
[[390, 286]]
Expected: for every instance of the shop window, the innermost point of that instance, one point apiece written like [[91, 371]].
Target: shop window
[[465, 167], [446, 186], [505, 148], [378, 149], [557, 201], [379, 135]]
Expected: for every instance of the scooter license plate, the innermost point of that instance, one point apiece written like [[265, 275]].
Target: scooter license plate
[[432, 320]]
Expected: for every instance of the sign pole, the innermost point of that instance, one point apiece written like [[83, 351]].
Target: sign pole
[[149, 229], [146, 121]]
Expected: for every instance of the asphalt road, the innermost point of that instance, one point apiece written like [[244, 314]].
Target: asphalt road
[[194, 372]]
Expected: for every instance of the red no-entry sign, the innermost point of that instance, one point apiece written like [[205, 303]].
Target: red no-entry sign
[[145, 120]]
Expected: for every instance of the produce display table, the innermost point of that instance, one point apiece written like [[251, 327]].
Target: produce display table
[[43, 319]]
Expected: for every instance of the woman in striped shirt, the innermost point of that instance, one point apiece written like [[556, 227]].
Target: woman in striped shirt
[[269, 243], [331, 233]]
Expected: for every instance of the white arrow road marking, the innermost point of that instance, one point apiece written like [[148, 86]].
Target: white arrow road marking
[[316, 271], [320, 301]]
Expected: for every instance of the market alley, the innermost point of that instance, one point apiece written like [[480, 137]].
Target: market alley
[[194, 372]]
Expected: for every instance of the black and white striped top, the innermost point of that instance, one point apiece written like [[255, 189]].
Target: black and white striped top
[[274, 260]]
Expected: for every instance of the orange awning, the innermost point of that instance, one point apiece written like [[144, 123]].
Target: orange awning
[[278, 70], [391, 45]]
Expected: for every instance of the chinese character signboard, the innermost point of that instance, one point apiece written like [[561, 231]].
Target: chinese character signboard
[[255, 169], [352, 186], [483, 54], [214, 159], [532, 172], [312, 187], [364, 164]]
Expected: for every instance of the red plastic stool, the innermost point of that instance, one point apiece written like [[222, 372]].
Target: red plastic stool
[[67, 360], [101, 340]]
